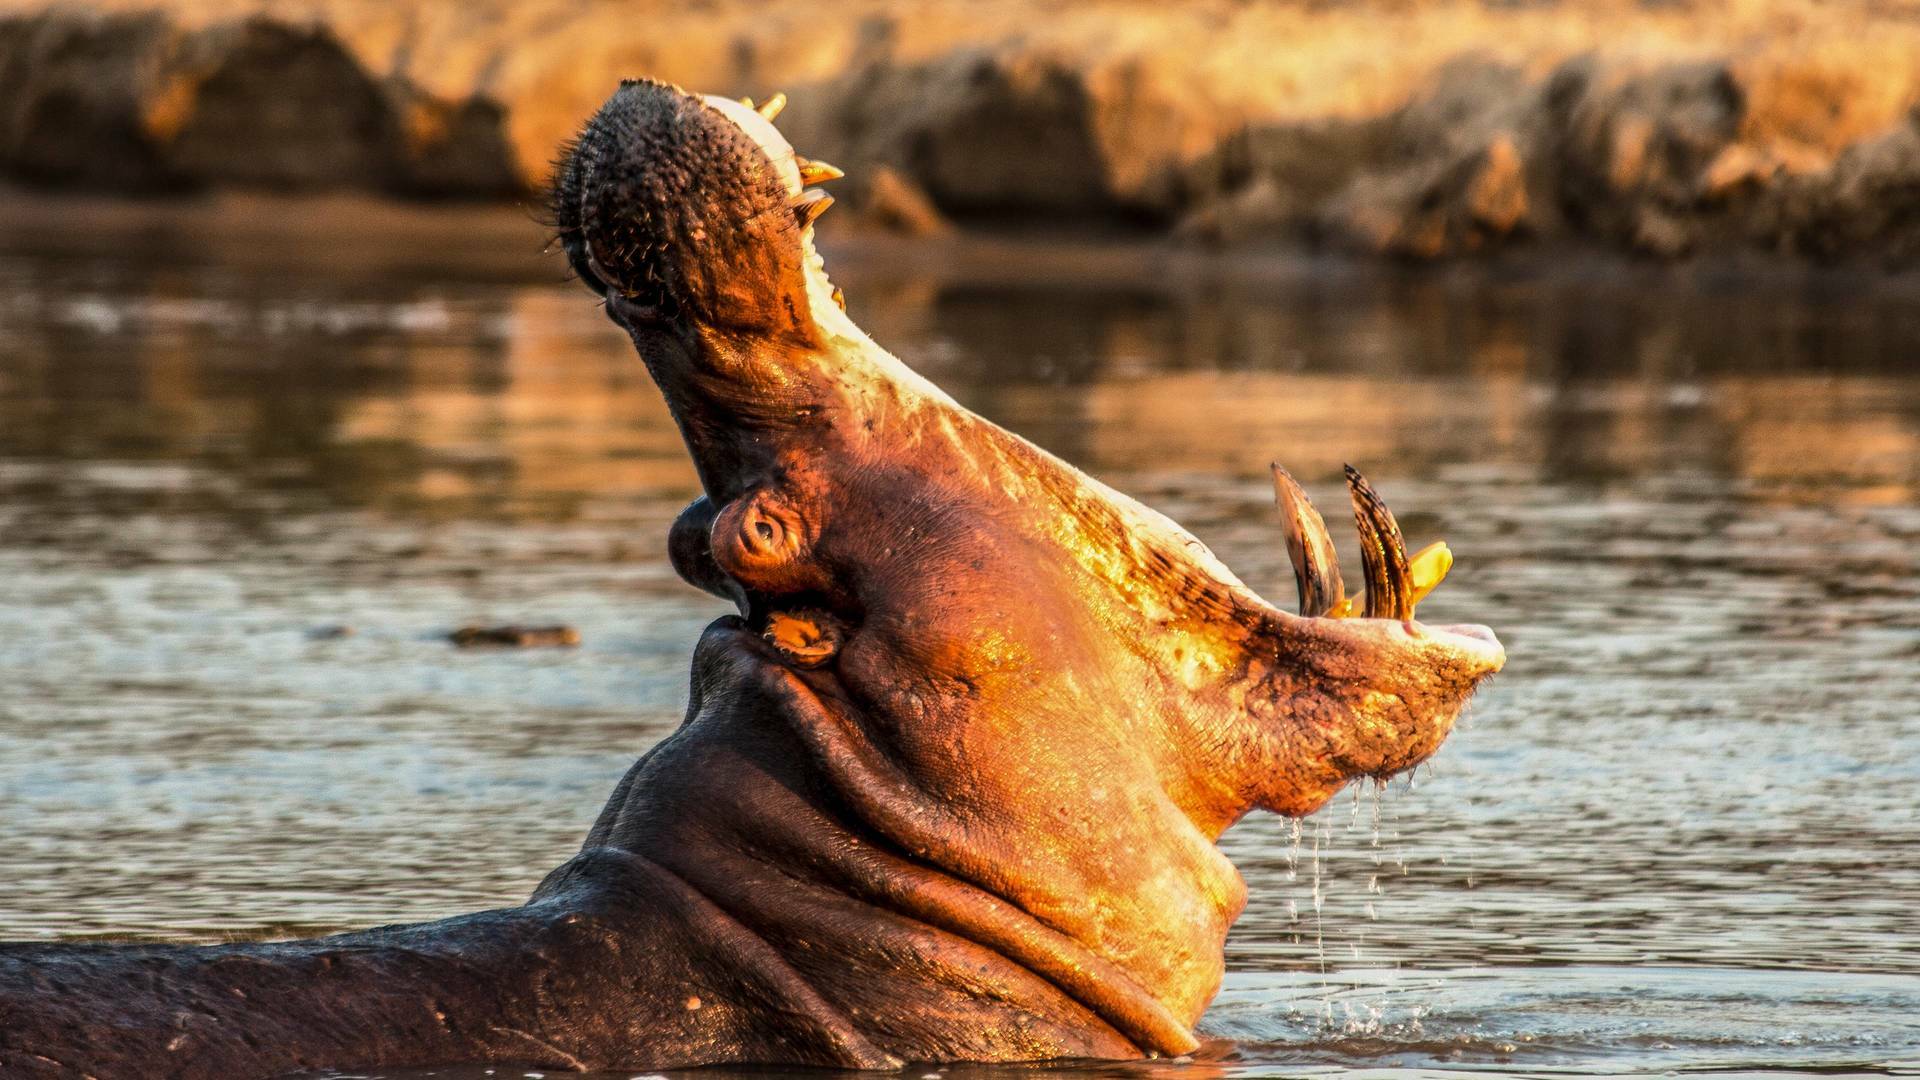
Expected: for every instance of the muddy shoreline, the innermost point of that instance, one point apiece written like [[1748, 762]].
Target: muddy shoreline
[[506, 243], [1779, 128]]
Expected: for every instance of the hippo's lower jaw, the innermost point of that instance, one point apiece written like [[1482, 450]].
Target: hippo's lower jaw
[[949, 784], [855, 874]]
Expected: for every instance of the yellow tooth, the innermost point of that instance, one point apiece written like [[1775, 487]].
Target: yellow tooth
[[809, 209], [1427, 567], [747, 101], [772, 106], [816, 172], [1424, 572], [840, 298]]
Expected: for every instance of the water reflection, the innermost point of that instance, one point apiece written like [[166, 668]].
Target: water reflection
[[510, 397], [1690, 504]]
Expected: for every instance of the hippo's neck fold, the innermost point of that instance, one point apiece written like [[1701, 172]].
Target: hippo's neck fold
[[957, 896], [921, 923]]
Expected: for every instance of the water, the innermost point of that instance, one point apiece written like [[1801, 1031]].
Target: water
[[1679, 833]]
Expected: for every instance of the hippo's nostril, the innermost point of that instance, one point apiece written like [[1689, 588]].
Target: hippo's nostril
[[765, 532]]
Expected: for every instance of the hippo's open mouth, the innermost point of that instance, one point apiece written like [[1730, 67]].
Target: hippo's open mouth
[[786, 631], [630, 265], [632, 272], [1395, 581], [1001, 669]]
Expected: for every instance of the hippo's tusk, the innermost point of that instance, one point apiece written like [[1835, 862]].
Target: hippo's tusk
[[816, 172], [771, 107], [1383, 552], [808, 208], [1316, 568]]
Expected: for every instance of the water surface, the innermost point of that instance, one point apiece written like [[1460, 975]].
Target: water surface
[[1679, 833]]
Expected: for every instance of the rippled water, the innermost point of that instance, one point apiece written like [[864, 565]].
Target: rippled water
[[1679, 833]]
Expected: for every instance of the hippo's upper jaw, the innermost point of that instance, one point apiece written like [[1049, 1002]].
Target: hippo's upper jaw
[[1035, 700]]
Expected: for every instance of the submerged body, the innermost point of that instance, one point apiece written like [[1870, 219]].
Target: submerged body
[[949, 784]]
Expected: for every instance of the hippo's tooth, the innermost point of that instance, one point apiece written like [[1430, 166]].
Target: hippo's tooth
[[747, 101], [1427, 567], [771, 107], [816, 172], [839, 298], [808, 208], [1383, 552], [1316, 569]]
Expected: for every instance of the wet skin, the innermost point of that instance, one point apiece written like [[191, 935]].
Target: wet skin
[[949, 783]]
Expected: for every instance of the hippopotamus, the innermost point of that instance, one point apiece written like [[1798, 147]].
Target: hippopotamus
[[951, 777]]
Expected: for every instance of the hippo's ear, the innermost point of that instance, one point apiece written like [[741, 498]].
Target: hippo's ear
[[668, 208]]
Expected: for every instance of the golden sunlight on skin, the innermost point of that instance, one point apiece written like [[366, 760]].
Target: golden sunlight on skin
[[1000, 623]]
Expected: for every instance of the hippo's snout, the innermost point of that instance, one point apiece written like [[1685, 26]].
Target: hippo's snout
[[685, 210]]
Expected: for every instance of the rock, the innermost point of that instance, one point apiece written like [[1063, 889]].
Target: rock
[[519, 637], [265, 104], [82, 99], [1636, 138], [1496, 193], [1263, 210], [1441, 177], [886, 200], [1658, 128], [1867, 203], [457, 149], [135, 103]]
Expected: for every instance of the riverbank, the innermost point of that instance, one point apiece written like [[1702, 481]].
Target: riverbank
[[506, 242], [1417, 131]]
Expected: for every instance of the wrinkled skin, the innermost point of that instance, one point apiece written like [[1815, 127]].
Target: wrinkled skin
[[949, 784]]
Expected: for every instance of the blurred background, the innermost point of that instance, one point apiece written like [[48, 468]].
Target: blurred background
[[1614, 297]]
